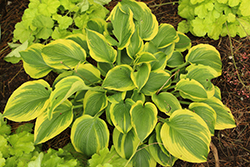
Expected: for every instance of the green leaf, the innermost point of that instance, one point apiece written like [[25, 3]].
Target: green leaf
[[144, 118], [46, 129], [79, 39], [206, 112], [160, 62], [14, 56], [144, 57], [159, 139], [94, 102], [63, 21], [186, 136], [107, 157], [141, 75], [120, 115], [192, 89], [142, 158], [166, 36], [183, 43], [63, 90], [224, 117], [175, 60], [123, 25], [28, 101], [202, 74], [37, 162], [116, 97], [33, 62], [158, 155], [156, 80], [4, 127], [89, 135], [205, 54], [166, 102], [60, 33], [22, 32], [63, 54], [135, 45], [48, 7], [244, 6], [125, 143], [21, 143], [88, 73], [99, 48], [44, 25], [138, 96], [119, 78], [147, 22]]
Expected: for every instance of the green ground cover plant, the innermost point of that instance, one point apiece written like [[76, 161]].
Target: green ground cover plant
[[215, 18], [45, 20], [17, 149], [125, 78]]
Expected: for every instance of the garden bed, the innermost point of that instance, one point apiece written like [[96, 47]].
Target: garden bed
[[233, 145]]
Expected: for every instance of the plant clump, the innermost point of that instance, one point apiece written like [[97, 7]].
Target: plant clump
[[129, 73], [215, 18]]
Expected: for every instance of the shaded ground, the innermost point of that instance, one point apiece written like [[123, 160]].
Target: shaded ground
[[233, 145]]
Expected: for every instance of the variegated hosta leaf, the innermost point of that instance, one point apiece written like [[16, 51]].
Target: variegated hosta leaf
[[186, 136], [33, 62], [141, 75], [138, 96], [120, 115], [99, 49], [142, 157], [89, 73], [175, 60], [89, 135], [119, 78], [28, 101], [63, 90], [123, 25], [160, 62], [206, 112], [147, 22], [159, 139], [205, 54], [166, 36], [156, 80], [135, 46], [125, 143], [144, 118], [183, 43], [192, 89], [166, 102], [144, 57], [63, 54], [202, 74], [158, 155], [94, 102], [80, 39], [224, 117], [46, 129], [116, 97]]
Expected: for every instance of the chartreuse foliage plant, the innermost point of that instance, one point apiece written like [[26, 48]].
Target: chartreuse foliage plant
[[45, 20], [17, 149], [215, 18], [127, 85]]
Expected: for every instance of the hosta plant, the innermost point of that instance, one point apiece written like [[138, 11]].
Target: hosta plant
[[215, 18], [44, 20], [126, 85]]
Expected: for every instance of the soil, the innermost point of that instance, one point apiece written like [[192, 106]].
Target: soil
[[233, 145]]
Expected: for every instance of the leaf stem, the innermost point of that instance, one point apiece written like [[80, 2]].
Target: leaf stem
[[78, 106], [119, 60], [180, 66], [184, 102]]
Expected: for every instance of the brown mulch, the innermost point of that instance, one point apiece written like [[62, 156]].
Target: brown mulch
[[233, 145]]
